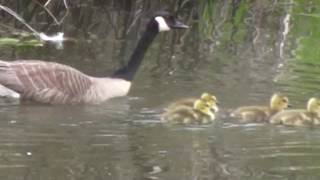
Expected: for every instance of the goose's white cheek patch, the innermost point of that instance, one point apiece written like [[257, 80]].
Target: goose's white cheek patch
[[163, 26]]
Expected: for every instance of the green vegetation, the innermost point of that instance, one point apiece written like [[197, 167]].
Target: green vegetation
[[15, 42]]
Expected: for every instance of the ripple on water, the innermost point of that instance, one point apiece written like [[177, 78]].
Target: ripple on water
[[270, 151]]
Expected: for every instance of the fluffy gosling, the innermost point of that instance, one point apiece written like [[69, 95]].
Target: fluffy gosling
[[200, 113], [209, 98], [299, 117], [261, 113]]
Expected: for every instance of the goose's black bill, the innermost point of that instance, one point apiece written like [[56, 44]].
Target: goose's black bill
[[179, 25]]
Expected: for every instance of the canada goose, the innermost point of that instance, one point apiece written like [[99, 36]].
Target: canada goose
[[209, 98], [199, 113], [299, 117], [53, 83], [261, 113]]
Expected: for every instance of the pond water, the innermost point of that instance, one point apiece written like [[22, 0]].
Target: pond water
[[239, 50]]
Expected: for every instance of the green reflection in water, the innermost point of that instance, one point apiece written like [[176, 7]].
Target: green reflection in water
[[301, 74]]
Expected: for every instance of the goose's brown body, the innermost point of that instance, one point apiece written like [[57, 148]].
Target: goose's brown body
[[54, 83]]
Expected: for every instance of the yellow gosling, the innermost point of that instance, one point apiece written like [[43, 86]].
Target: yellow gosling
[[200, 113], [299, 117], [209, 98], [261, 113]]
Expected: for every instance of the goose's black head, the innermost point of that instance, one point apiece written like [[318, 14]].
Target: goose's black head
[[164, 21], [161, 22]]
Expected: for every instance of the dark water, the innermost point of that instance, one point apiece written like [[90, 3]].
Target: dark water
[[241, 53]]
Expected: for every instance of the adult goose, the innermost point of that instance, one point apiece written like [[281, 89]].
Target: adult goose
[[54, 83]]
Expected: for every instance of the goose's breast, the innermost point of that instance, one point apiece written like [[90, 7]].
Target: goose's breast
[[103, 89]]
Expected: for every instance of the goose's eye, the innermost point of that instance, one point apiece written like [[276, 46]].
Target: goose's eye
[[171, 19]]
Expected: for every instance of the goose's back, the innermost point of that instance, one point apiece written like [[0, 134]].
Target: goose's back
[[45, 82]]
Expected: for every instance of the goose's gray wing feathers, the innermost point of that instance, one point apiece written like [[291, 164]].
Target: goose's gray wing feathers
[[45, 82]]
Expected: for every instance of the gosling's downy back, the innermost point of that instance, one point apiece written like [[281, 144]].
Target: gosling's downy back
[[261, 113], [209, 98], [199, 113], [299, 117]]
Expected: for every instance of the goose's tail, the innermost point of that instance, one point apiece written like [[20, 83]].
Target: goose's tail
[[8, 78], [5, 77]]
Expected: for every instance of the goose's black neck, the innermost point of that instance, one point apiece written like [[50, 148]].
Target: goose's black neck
[[128, 71]]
